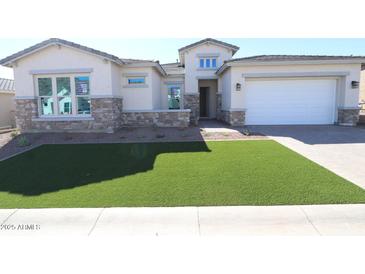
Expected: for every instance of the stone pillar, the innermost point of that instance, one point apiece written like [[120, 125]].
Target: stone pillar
[[348, 116], [234, 118], [107, 113], [25, 111], [191, 101]]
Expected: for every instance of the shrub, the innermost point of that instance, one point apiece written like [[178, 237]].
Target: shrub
[[14, 134], [22, 141]]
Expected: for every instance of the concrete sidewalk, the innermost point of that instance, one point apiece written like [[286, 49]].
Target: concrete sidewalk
[[187, 221]]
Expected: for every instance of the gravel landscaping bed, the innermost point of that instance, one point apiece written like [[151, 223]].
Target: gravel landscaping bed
[[10, 146]]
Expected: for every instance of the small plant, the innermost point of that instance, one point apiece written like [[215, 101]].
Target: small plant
[[23, 141], [68, 138], [246, 132], [14, 134], [160, 135]]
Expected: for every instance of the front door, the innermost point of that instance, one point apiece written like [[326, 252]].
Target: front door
[[204, 101]]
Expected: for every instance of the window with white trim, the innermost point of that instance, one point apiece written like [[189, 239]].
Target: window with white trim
[[136, 80], [63, 95], [174, 96], [208, 62]]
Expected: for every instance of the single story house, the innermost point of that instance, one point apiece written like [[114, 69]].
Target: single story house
[[64, 86], [7, 104]]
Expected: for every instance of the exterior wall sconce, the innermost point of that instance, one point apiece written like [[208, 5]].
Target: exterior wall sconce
[[354, 84], [238, 87]]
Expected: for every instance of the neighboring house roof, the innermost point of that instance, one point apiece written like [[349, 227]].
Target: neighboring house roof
[[173, 69], [213, 41], [7, 85], [56, 41], [263, 59]]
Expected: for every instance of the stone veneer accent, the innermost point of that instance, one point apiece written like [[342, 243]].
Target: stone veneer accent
[[105, 117], [348, 116], [219, 114], [192, 102], [168, 118], [234, 118]]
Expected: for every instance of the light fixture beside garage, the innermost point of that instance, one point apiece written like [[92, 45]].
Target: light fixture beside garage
[[354, 84], [238, 87]]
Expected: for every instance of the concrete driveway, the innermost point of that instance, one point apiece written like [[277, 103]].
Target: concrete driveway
[[339, 149]]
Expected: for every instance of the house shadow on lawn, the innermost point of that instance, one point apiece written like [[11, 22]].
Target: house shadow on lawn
[[51, 168]]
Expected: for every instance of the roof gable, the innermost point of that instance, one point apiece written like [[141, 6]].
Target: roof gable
[[212, 41], [56, 41]]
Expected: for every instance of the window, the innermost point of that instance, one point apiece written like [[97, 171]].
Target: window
[[64, 95], [202, 63], [82, 87], [45, 96], [208, 63], [214, 62], [136, 80], [173, 95]]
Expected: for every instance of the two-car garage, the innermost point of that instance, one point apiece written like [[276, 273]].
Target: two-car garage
[[285, 101]]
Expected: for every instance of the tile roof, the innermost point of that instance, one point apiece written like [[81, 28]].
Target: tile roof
[[235, 48], [270, 58], [7, 85]]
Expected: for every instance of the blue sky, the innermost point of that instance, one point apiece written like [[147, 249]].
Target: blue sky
[[165, 49]]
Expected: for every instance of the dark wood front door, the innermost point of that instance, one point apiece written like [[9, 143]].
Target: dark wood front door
[[203, 101]]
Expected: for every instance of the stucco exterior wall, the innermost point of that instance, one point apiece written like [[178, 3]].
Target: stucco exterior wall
[[55, 58], [7, 109], [156, 89], [348, 97], [226, 90], [137, 98], [362, 88], [192, 70]]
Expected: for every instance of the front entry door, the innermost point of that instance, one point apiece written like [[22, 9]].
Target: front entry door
[[203, 101]]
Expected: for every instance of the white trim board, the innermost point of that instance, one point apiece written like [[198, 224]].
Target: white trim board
[[61, 71], [296, 74]]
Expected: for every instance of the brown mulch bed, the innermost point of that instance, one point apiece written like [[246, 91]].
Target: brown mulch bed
[[9, 146]]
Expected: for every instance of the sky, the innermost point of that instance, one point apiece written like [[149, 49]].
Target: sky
[[166, 49]]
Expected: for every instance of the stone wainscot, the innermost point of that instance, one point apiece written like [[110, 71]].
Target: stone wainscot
[[107, 115]]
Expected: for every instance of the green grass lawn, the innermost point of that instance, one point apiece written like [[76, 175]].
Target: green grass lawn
[[169, 174]]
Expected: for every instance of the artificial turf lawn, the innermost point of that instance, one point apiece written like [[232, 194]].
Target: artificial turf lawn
[[169, 174]]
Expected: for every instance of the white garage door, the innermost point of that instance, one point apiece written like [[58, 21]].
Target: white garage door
[[290, 102]]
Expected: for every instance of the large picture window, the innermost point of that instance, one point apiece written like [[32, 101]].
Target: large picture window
[[64, 95]]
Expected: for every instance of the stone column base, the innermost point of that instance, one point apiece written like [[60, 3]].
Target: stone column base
[[234, 118], [192, 102], [348, 116]]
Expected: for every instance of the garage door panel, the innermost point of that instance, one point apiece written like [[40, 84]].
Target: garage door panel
[[290, 102]]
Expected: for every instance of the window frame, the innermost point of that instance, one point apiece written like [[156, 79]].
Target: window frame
[[207, 60], [74, 105], [136, 77], [180, 101]]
